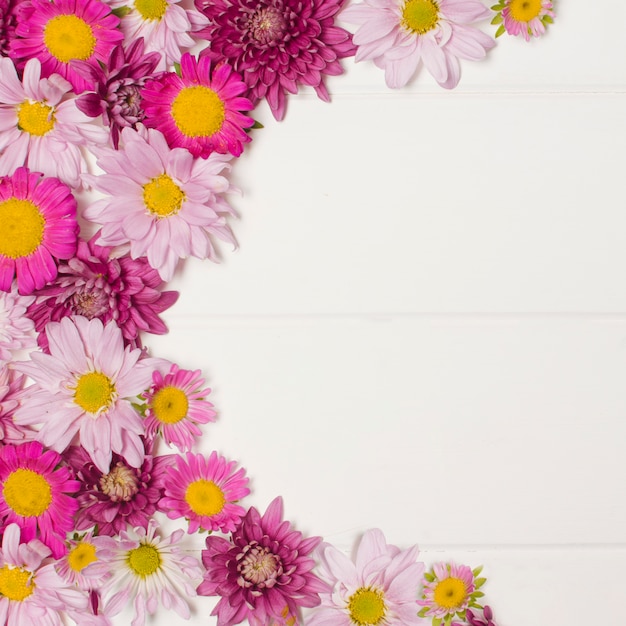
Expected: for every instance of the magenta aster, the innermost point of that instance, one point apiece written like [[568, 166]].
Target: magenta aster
[[527, 18], [39, 226], [200, 110], [277, 45], [204, 491], [11, 385], [35, 494], [264, 573], [60, 32], [94, 285], [175, 404]]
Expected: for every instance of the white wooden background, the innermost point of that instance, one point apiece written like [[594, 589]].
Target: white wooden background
[[424, 327]]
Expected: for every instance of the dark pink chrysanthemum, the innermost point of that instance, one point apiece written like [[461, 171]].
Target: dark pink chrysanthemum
[[38, 217], [277, 45], [8, 23], [92, 284], [60, 32], [34, 494], [204, 491], [200, 110], [264, 573]]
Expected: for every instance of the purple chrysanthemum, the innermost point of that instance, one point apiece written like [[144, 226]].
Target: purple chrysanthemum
[[277, 45], [92, 284], [264, 574], [118, 87]]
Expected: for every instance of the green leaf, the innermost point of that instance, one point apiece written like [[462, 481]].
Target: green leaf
[[429, 577], [256, 125], [479, 582], [477, 570], [422, 612], [121, 11], [500, 30], [478, 594], [177, 69], [546, 19], [497, 19]]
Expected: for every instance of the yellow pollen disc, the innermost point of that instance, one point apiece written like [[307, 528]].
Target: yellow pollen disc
[[162, 196], [22, 228], [26, 492], [15, 583], [81, 555], [144, 560], [525, 10], [69, 37], [151, 9], [367, 607], [450, 593], [198, 111], [204, 497], [170, 405], [35, 118], [420, 16], [94, 392]]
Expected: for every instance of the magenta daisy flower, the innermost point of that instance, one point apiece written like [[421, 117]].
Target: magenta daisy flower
[[277, 45], [473, 619], [34, 494], [60, 32], [175, 404], [199, 110], [399, 34], [86, 386], [11, 385], [264, 573], [528, 18], [39, 226], [16, 330], [204, 491], [379, 589], [94, 285]]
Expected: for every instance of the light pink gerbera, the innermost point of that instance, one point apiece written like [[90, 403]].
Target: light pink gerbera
[[31, 592], [398, 34], [35, 494], [527, 18], [175, 404], [39, 127], [38, 217], [379, 589], [161, 200], [59, 32], [200, 110], [204, 491], [16, 329], [86, 386]]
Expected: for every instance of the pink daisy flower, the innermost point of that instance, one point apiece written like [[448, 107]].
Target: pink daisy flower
[[86, 386], [161, 200], [11, 385], [16, 330], [175, 405], [31, 592], [82, 566], [39, 226], [264, 574], [277, 45], [204, 491], [59, 32], [34, 494], [199, 110], [39, 127], [527, 18], [379, 589], [398, 34]]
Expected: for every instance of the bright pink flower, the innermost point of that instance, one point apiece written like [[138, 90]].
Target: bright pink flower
[[264, 573], [201, 110], [35, 494], [527, 18], [204, 491], [39, 226]]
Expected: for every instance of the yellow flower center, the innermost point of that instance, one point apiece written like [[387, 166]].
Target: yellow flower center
[[15, 583], [94, 392], [22, 228], [35, 118], [367, 606], [450, 593], [170, 405], [420, 16], [204, 497], [26, 492], [198, 111], [151, 9], [162, 196], [69, 37], [144, 560], [81, 555], [524, 10]]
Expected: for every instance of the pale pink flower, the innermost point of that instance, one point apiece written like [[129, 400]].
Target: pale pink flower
[[16, 329], [527, 18], [11, 385], [82, 565]]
